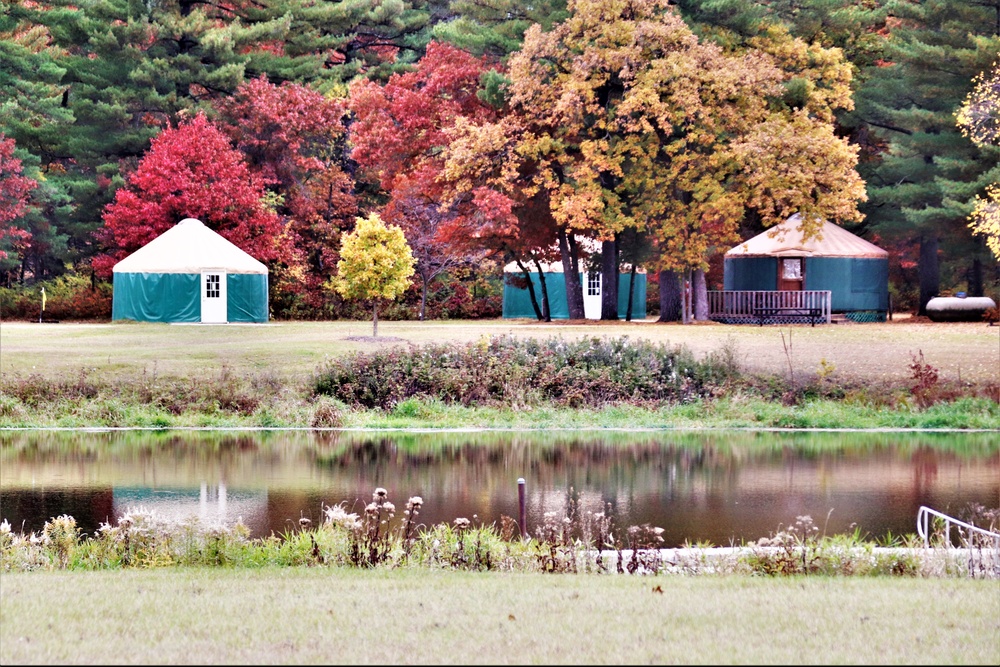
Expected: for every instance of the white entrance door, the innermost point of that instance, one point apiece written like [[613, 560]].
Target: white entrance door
[[592, 296], [213, 297]]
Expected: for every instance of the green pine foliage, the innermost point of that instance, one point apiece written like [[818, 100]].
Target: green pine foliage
[[495, 28], [924, 186]]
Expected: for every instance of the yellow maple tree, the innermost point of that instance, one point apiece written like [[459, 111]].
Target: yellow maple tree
[[979, 119], [375, 265]]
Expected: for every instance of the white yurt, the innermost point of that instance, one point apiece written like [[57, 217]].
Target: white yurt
[[190, 273]]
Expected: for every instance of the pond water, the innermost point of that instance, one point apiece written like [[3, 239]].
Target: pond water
[[722, 487]]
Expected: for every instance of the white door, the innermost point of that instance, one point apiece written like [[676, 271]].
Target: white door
[[213, 297], [592, 296]]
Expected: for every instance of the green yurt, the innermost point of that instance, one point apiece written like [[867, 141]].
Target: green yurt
[[190, 273], [517, 300], [855, 271]]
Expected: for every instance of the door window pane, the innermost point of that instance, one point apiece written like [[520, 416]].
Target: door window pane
[[593, 284], [791, 269], [212, 286]]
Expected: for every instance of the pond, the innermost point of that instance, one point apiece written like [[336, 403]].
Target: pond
[[719, 487]]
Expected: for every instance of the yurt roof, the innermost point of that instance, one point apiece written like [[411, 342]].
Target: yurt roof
[[785, 240], [189, 247]]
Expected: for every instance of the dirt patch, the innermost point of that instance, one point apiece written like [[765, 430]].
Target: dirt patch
[[375, 339]]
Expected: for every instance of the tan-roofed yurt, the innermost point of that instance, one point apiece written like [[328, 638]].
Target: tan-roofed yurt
[[855, 271]]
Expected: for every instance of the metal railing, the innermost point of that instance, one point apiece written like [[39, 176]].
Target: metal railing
[[781, 305], [924, 515]]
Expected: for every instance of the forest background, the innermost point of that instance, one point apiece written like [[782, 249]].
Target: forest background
[[613, 134]]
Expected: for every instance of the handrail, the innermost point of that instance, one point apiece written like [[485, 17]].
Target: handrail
[[744, 304], [923, 522]]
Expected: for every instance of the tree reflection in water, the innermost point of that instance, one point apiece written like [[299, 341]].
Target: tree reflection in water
[[721, 487]]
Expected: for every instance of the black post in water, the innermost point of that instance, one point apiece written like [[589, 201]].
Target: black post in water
[[520, 504]]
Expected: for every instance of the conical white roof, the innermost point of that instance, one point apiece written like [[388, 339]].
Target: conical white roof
[[785, 240], [189, 247]]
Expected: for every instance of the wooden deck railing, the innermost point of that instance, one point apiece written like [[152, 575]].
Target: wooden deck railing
[[758, 307]]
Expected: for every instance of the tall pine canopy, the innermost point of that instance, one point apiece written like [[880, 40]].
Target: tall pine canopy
[[926, 184]]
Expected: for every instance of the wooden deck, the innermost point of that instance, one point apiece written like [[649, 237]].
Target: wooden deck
[[769, 307]]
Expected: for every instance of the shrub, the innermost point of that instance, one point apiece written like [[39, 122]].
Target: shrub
[[503, 370], [328, 413], [69, 297]]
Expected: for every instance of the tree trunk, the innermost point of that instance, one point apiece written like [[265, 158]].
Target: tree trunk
[[374, 319], [699, 295], [929, 272], [686, 297], [546, 307], [531, 288], [609, 279], [670, 297], [631, 293], [976, 278], [571, 274], [423, 298]]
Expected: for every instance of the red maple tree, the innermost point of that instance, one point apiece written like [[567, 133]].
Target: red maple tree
[[15, 189], [397, 137], [190, 171], [294, 137]]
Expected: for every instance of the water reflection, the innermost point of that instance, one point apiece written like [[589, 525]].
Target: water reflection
[[716, 486]]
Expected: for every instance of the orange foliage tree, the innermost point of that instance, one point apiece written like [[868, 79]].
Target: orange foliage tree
[[15, 189], [622, 119], [190, 171]]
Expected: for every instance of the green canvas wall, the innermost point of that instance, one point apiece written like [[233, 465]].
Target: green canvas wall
[[517, 301], [855, 283], [176, 297], [751, 274], [246, 297]]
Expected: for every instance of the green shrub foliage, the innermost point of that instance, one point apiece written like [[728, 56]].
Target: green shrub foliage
[[502, 370]]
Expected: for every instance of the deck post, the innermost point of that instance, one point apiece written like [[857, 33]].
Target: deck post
[[521, 515]]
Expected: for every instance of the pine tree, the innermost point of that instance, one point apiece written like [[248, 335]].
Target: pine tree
[[495, 28], [925, 186]]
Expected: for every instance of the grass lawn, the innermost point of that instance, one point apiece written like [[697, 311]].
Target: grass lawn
[[154, 375], [309, 615], [967, 351]]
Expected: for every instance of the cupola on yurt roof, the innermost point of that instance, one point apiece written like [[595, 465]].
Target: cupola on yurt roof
[[190, 273]]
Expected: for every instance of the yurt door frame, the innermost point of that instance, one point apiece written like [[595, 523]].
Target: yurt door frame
[[791, 273], [592, 285], [213, 297]]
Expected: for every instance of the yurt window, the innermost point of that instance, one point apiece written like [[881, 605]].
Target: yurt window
[[791, 269], [212, 286], [593, 284]]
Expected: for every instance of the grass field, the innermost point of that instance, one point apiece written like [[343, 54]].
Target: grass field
[[129, 374], [323, 616], [966, 351]]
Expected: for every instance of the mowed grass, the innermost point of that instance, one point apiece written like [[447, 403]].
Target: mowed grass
[[292, 351], [304, 615]]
